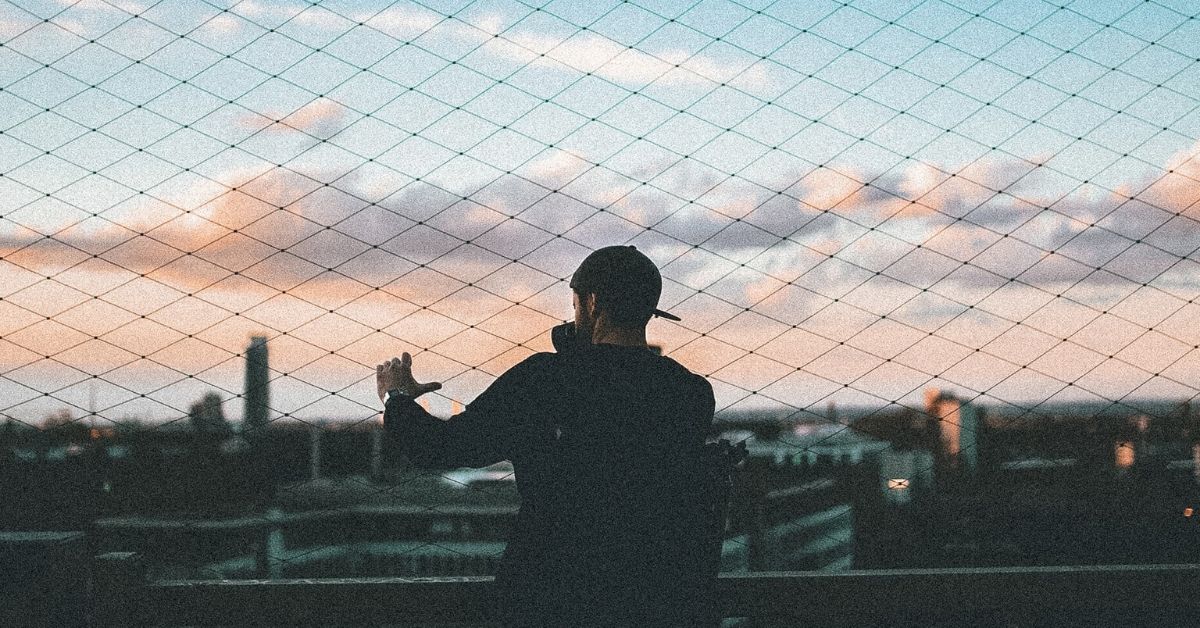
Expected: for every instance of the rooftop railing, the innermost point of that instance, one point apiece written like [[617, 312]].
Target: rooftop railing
[[1130, 595], [54, 581]]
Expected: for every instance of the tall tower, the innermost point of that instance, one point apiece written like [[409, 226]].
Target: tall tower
[[258, 391], [958, 424]]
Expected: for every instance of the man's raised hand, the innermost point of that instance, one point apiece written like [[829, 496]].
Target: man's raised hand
[[396, 374]]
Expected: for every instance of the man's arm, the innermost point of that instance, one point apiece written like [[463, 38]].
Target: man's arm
[[498, 425]]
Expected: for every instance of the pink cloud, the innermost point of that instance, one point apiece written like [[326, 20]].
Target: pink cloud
[[320, 118]]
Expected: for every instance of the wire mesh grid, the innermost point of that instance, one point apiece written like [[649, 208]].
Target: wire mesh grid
[[849, 201]]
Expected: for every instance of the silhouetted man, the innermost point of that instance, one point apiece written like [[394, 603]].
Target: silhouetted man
[[606, 439]]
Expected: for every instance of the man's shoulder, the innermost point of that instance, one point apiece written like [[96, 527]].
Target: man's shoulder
[[699, 381], [539, 360], [543, 363]]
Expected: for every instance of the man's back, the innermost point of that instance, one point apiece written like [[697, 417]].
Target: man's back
[[610, 483]]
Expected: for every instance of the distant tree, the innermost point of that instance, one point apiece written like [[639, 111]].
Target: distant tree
[[58, 418], [207, 418], [903, 428], [60, 426]]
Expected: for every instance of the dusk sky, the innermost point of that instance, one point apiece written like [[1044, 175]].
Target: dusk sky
[[848, 201]]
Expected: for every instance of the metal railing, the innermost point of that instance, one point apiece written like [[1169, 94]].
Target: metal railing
[[1141, 595]]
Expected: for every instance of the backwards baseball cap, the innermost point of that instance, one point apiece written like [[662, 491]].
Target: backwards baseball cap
[[621, 275]]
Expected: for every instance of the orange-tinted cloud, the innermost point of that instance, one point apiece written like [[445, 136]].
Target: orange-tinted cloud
[[825, 188], [320, 118], [1177, 189]]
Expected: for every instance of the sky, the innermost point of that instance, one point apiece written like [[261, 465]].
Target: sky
[[849, 202]]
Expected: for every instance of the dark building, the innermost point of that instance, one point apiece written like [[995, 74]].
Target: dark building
[[264, 465], [258, 390]]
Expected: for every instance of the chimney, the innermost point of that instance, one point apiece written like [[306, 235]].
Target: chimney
[[257, 395]]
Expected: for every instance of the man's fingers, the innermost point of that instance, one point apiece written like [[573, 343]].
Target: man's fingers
[[424, 388], [402, 367]]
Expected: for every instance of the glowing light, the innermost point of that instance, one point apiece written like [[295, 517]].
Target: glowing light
[[898, 484], [1124, 455]]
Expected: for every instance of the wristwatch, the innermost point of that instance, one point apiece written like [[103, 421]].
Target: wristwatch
[[395, 392]]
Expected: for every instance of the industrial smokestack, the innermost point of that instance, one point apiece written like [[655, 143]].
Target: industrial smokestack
[[258, 392]]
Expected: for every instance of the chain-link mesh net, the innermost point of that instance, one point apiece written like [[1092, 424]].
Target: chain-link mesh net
[[850, 202]]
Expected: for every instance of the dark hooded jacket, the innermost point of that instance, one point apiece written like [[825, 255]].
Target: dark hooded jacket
[[607, 446]]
